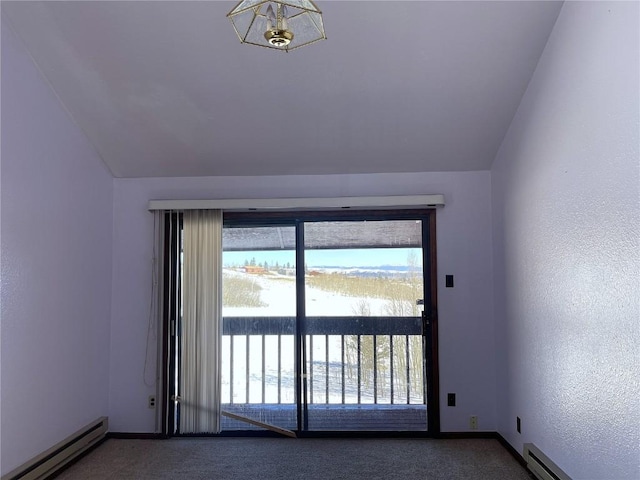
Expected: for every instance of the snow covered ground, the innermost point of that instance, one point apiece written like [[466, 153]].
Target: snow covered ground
[[279, 294], [279, 297]]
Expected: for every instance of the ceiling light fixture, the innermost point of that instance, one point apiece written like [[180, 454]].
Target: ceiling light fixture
[[283, 25]]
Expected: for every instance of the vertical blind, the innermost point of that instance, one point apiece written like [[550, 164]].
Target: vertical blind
[[202, 324]]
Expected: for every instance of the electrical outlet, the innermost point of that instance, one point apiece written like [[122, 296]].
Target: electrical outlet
[[518, 424], [451, 399], [152, 401], [473, 422]]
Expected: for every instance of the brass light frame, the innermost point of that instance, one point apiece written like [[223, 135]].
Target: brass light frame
[[304, 24]]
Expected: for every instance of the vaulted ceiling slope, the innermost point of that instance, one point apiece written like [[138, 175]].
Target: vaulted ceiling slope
[[166, 89]]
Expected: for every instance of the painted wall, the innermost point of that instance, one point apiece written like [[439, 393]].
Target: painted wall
[[56, 225], [566, 248], [464, 249]]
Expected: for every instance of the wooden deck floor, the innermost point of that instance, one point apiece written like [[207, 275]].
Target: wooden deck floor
[[327, 417]]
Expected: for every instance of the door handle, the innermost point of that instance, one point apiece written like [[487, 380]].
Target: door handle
[[426, 321]]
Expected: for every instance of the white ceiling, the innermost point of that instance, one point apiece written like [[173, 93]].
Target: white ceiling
[[166, 88]]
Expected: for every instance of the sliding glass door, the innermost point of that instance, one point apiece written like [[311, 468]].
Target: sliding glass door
[[363, 332], [259, 328], [328, 322]]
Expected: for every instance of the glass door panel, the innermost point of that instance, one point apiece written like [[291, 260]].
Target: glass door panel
[[259, 317], [323, 323], [363, 346]]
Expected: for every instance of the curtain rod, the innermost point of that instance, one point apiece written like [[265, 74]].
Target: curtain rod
[[250, 204]]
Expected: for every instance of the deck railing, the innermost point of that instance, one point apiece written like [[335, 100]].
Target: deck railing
[[348, 360]]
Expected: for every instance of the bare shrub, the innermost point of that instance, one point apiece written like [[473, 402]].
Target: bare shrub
[[240, 292], [362, 308], [368, 287]]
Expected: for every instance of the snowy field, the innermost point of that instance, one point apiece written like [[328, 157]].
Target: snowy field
[[278, 295]]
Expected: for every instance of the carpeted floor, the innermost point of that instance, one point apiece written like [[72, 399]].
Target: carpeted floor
[[308, 459]]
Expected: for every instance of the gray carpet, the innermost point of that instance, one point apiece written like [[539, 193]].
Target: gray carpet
[[308, 459]]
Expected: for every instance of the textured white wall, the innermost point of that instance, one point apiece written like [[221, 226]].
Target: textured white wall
[[464, 249], [56, 266], [566, 248]]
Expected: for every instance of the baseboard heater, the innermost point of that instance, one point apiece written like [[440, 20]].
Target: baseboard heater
[[56, 457], [542, 466]]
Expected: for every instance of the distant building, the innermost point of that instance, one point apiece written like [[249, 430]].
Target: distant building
[[253, 269]]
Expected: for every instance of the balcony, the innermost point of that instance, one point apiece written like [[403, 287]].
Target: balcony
[[362, 373]]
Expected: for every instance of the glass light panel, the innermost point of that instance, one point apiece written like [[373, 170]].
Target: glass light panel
[[245, 5], [241, 22], [304, 21], [305, 30]]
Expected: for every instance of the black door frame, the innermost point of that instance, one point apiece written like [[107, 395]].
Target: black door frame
[[171, 308], [171, 303]]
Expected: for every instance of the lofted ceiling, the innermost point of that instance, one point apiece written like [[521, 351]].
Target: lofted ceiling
[[165, 88]]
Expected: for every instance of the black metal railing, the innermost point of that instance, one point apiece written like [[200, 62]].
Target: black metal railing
[[348, 360]]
